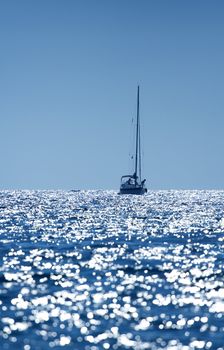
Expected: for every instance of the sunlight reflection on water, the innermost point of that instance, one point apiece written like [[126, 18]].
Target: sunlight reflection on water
[[95, 270]]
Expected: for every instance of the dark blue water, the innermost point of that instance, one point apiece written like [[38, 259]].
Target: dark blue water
[[95, 270]]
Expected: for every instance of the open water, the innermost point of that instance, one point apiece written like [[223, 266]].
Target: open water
[[94, 270]]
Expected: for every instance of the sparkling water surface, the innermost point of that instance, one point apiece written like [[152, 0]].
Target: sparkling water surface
[[95, 270]]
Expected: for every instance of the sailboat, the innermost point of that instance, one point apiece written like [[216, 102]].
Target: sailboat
[[132, 184]]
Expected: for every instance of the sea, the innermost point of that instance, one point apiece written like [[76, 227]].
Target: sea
[[91, 270]]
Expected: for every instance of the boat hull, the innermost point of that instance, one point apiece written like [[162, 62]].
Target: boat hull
[[137, 190]]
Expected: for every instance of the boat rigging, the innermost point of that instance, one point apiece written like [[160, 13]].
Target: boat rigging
[[132, 184]]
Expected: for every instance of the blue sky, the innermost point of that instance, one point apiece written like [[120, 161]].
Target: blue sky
[[69, 73]]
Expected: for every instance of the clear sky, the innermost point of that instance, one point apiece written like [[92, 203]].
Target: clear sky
[[69, 71]]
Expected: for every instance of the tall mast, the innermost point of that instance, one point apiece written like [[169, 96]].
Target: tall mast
[[137, 138], [139, 150]]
